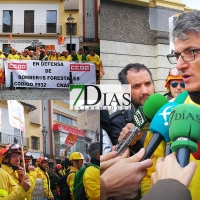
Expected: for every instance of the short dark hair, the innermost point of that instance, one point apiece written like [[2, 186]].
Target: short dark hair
[[94, 148], [136, 66]]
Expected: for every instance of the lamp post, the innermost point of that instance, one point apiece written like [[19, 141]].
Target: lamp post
[[44, 133], [70, 20]]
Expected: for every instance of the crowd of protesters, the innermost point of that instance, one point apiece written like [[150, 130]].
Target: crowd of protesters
[[21, 180], [45, 55]]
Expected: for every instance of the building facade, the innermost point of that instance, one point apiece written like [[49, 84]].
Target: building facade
[[25, 24]]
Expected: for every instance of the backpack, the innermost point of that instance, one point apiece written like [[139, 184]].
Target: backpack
[[63, 188], [79, 189]]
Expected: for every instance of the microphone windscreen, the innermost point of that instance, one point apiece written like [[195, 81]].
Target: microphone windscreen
[[153, 103], [159, 124], [185, 122], [184, 127]]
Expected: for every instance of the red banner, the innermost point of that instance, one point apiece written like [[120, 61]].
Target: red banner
[[71, 139], [61, 40], [68, 129]]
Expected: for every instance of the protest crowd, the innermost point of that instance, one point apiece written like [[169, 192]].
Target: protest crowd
[[78, 177], [52, 55]]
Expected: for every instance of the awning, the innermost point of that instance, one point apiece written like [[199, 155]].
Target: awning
[[68, 129]]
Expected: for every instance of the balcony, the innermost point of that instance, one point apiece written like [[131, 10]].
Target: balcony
[[36, 29], [11, 139], [95, 40]]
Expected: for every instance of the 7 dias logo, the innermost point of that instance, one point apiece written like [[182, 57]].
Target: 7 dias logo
[[100, 97]]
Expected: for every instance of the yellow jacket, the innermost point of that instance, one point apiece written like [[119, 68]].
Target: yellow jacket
[[91, 182], [32, 177], [70, 180], [2, 56], [9, 185], [68, 58], [51, 57], [25, 58], [13, 57], [159, 152], [44, 176], [95, 59]]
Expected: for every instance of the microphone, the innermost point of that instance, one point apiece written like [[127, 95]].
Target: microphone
[[184, 131], [159, 129], [141, 119], [142, 116]]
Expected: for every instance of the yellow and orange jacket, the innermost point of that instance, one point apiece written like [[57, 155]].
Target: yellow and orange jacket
[[45, 177], [9, 185], [91, 182], [70, 180]]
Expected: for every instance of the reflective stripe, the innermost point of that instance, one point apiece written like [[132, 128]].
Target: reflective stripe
[[46, 185], [3, 192]]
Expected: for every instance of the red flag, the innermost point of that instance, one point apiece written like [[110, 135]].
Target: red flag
[[61, 40]]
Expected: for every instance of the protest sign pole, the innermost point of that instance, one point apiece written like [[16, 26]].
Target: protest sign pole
[[22, 148]]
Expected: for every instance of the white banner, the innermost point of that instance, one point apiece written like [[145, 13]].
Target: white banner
[[48, 74], [16, 114]]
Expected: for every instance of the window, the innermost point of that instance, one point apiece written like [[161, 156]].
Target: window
[[89, 14], [73, 28], [7, 21], [65, 120], [80, 145], [35, 142], [28, 21], [51, 21]]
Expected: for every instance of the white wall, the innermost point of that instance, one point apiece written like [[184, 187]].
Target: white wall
[[116, 55], [39, 12]]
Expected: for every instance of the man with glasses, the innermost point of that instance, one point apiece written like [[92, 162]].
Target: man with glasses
[[174, 84], [186, 56], [11, 186]]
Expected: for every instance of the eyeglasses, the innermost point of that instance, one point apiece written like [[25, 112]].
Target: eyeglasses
[[175, 84], [187, 56]]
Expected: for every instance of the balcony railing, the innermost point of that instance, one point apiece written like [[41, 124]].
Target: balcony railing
[[11, 139], [36, 29], [90, 39]]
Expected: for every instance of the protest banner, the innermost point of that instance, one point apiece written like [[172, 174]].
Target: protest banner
[[48, 74], [71, 139], [38, 191]]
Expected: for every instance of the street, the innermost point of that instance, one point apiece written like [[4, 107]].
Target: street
[[34, 94]]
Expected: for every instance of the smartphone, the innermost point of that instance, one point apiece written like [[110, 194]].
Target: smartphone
[[126, 141]]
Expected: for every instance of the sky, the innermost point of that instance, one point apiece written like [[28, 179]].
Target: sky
[[195, 4]]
